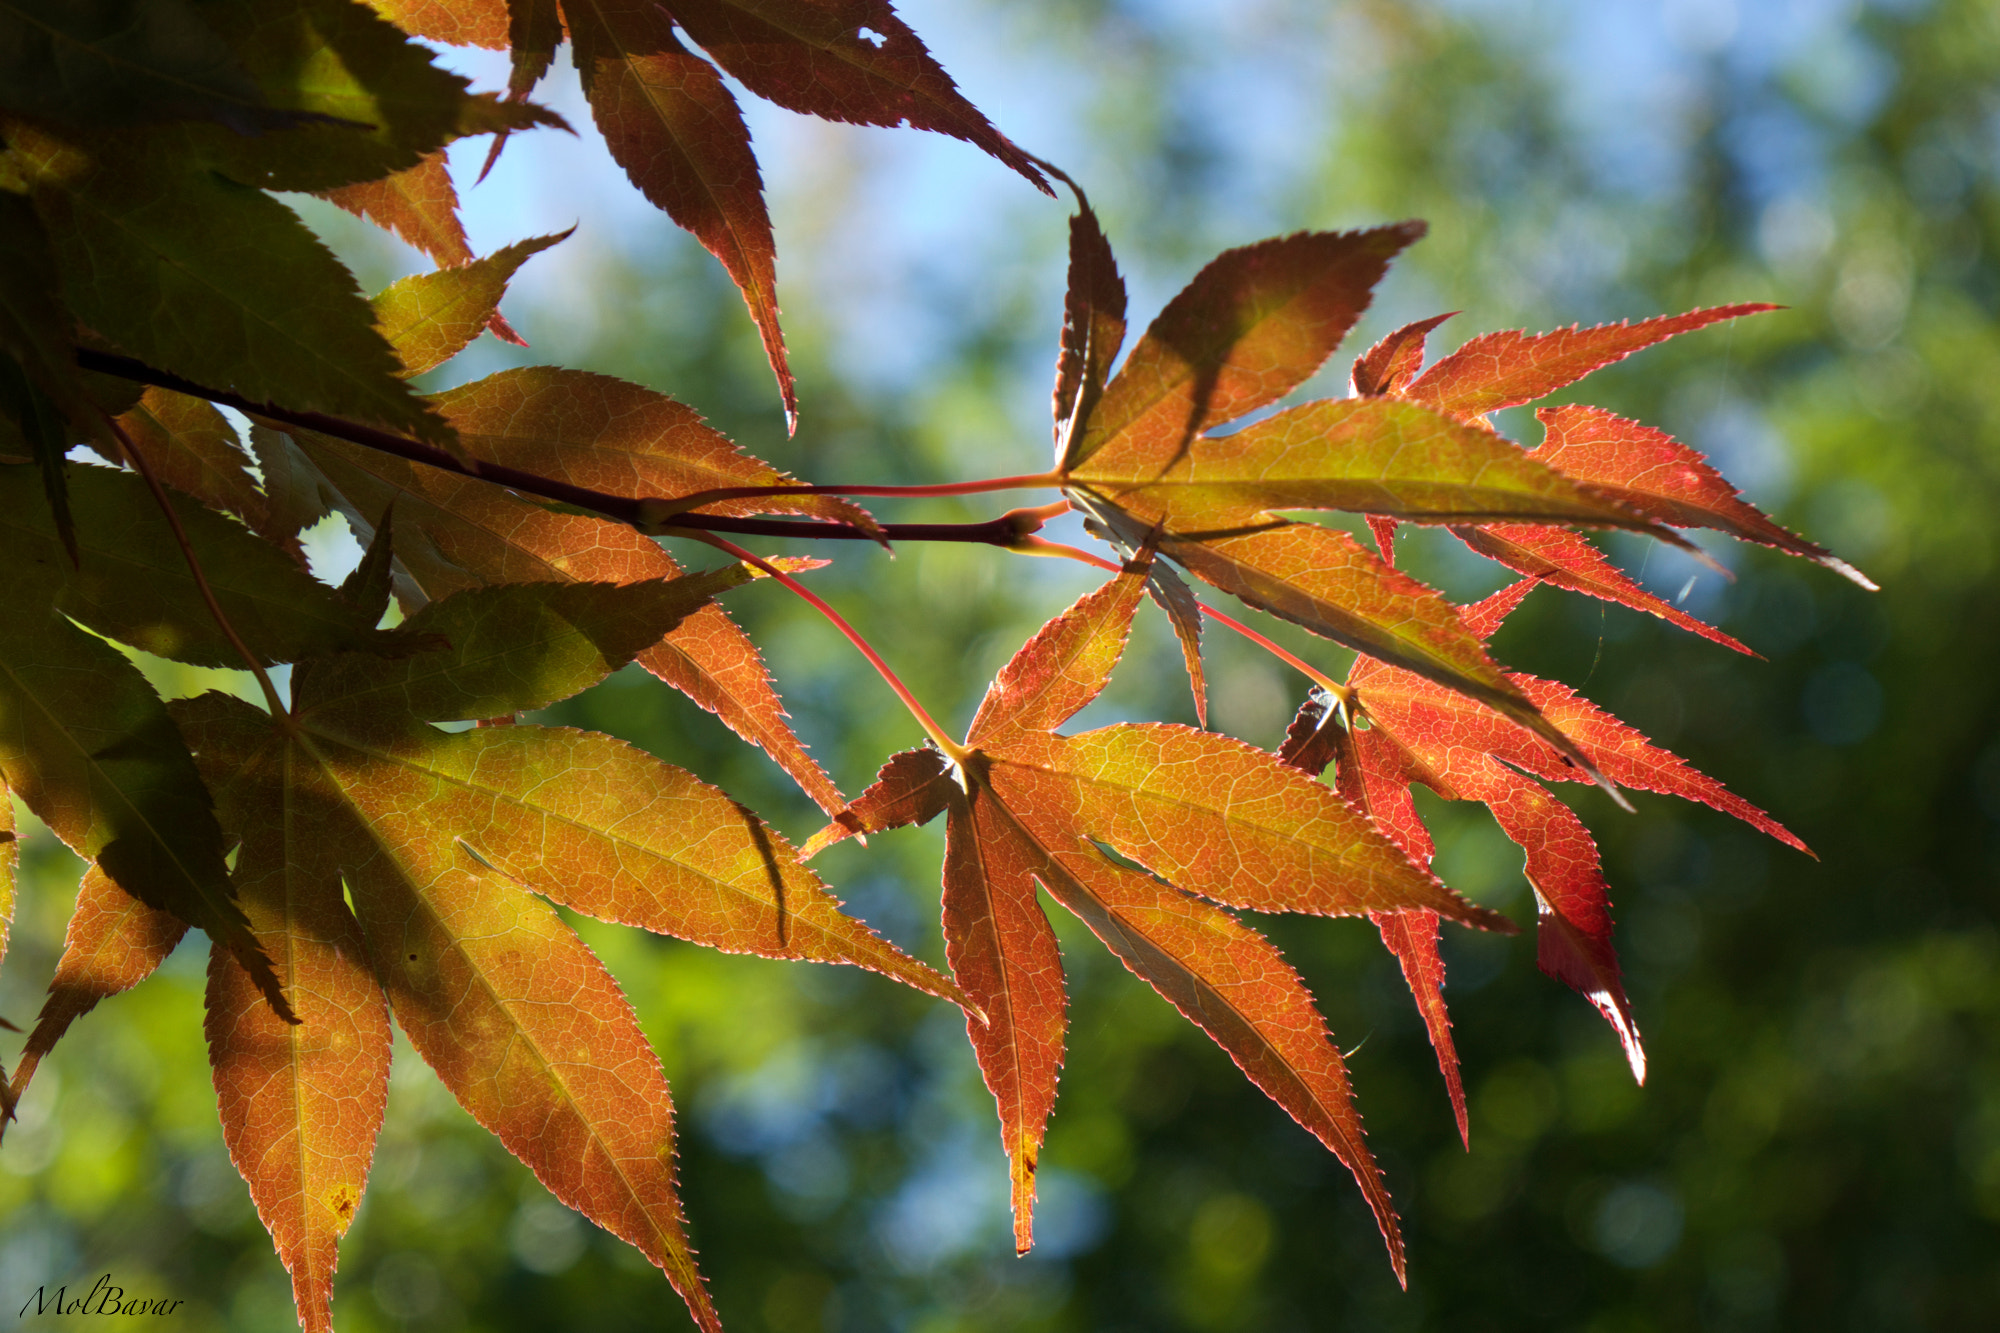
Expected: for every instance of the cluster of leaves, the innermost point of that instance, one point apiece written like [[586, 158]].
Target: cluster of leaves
[[351, 858]]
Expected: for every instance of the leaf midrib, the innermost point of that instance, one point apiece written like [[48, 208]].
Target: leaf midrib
[[1174, 802], [414, 765], [420, 894]]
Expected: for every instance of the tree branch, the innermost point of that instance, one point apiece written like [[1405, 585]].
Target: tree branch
[[640, 512]]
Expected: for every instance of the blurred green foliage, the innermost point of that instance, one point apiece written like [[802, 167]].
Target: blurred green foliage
[[1818, 1146]]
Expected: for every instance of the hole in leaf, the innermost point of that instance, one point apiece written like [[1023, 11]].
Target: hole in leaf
[[872, 37]]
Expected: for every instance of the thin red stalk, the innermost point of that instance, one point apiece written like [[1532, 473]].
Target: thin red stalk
[[1290, 659], [952, 749], [145, 470], [1042, 546]]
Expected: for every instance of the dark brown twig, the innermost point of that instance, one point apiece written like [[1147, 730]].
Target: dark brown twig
[[638, 511]]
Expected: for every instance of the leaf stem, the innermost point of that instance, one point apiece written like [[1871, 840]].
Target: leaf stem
[[272, 700], [952, 749], [641, 512], [1344, 694]]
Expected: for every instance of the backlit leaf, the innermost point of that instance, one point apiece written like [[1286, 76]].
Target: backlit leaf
[[387, 101], [87, 745], [1372, 455], [1465, 752], [1093, 330], [850, 60], [418, 204], [1566, 559], [676, 129], [133, 584], [443, 838], [259, 306], [1214, 816], [481, 23], [301, 1104], [1248, 330], [107, 62], [510, 649], [112, 943], [194, 449], [1658, 475], [1496, 370], [431, 317], [1392, 363]]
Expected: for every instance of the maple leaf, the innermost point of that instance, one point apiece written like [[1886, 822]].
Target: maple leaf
[[442, 840], [133, 585], [1496, 370], [481, 23], [419, 204], [145, 61], [429, 318], [260, 306], [1252, 326], [675, 127], [847, 60], [1658, 475], [195, 450], [1420, 732], [88, 746], [1205, 815], [378, 103], [112, 943]]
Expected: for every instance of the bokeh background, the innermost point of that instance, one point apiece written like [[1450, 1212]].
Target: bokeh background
[[1818, 1146]]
